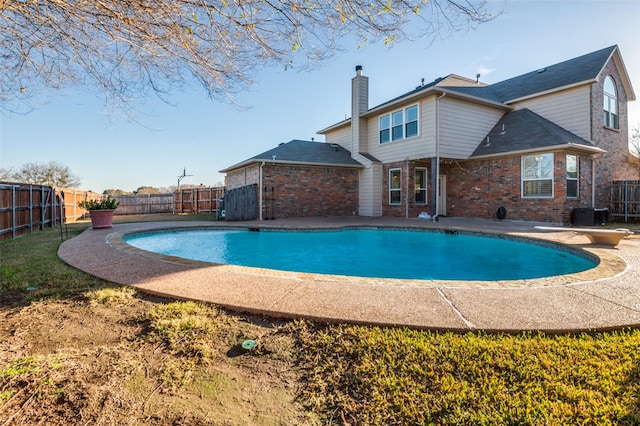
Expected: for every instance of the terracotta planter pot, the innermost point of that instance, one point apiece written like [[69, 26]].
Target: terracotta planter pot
[[101, 219]]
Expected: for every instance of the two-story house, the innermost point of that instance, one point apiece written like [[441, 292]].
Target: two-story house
[[533, 147]]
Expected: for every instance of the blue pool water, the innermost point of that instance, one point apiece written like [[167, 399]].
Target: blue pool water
[[369, 253]]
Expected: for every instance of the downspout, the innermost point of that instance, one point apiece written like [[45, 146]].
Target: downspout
[[437, 183], [260, 189], [593, 182], [406, 198]]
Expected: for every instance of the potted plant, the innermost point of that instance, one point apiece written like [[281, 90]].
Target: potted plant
[[101, 211]]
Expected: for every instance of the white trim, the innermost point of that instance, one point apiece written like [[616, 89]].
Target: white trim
[[572, 146], [522, 178], [247, 163], [403, 124], [577, 178], [399, 169], [426, 186], [392, 105]]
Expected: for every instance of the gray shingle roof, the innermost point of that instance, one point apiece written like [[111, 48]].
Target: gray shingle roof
[[525, 130], [573, 71], [304, 152]]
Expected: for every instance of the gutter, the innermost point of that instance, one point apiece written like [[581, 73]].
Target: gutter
[[260, 189], [406, 199], [575, 146], [434, 91], [297, 163], [593, 183]]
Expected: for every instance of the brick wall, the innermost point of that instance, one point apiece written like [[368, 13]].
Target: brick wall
[[614, 164], [309, 191], [407, 188], [478, 188], [245, 176]]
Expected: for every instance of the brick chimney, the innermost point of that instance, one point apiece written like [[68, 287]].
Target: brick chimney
[[359, 105]]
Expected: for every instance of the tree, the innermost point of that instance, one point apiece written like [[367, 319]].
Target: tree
[[634, 144], [130, 48], [5, 174], [115, 192], [143, 190], [50, 174]]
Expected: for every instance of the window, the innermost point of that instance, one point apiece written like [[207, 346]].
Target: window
[[610, 108], [384, 129], [537, 176], [572, 176], [421, 186], [395, 185], [398, 125], [411, 119]]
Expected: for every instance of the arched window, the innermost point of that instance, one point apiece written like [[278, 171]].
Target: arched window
[[610, 107]]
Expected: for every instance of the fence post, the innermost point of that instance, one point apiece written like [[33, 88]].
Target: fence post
[[13, 212], [54, 219], [31, 209], [626, 201], [42, 209]]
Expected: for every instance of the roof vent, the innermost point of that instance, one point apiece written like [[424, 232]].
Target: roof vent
[[541, 70]]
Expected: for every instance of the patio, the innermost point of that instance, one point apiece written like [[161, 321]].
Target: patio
[[605, 297]]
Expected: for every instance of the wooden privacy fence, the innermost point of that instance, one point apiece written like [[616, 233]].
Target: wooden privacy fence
[[241, 203], [625, 199], [25, 207], [199, 200], [144, 203]]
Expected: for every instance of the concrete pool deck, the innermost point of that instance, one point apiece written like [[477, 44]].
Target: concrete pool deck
[[606, 297]]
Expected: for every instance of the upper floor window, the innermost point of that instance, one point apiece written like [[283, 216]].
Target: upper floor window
[[610, 108], [572, 176], [399, 124], [537, 176], [384, 129]]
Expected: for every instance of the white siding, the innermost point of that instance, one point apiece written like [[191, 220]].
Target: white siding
[[421, 146], [570, 109], [341, 136], [370, 188], [463, 125]]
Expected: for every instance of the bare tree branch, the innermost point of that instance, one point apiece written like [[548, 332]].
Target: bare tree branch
[[130, 48], [634, 144]]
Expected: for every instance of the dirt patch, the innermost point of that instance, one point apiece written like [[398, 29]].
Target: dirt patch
[[94, 360]]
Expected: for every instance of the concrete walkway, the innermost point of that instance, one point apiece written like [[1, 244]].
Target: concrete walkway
[[606, 297]]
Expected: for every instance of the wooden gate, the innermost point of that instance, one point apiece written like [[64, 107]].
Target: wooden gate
[[241, 203], [199, 200], [625, 199]]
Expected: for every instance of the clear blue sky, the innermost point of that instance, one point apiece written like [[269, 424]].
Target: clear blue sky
[[203, 136]]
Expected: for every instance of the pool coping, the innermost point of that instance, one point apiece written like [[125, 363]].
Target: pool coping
[[606, 297]]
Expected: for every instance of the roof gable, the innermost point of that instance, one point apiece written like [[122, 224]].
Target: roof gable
[[581, 70], [524, 130], [584, 68]]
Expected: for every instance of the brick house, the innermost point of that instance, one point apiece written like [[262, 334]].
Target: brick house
[[536, 146], [300, 179]]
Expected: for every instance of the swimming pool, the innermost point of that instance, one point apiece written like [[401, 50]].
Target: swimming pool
[[376, 253]]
